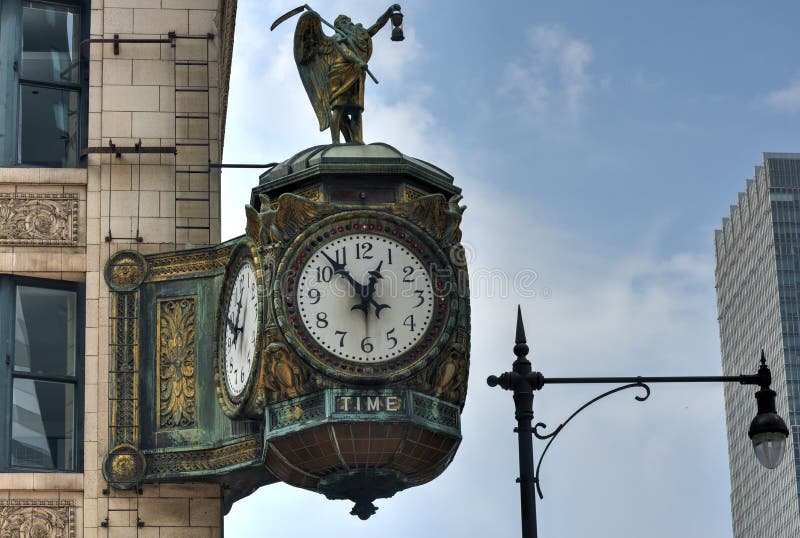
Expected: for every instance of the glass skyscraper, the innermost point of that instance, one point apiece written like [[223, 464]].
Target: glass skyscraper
[[758, 301]]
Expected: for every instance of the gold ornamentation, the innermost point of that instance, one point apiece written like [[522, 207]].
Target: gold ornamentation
[[38, 219], [177, 406], [261, 226], [411, 193], [175, 463], [314, 194], [293, 214], [438, 217], [174, 266], [449, 379], [124, 365], [334, 69], [284, 376], [37, 518], [124, 466], [125, 270]]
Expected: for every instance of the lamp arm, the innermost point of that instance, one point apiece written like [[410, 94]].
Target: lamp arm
[[552, 435]]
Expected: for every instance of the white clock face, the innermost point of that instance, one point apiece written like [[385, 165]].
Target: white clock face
[[365, 297], [241, 327]]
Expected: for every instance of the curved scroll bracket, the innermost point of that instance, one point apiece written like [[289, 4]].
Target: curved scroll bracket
[[552, 435]]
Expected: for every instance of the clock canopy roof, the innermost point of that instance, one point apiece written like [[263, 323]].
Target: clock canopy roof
[[344, 171]]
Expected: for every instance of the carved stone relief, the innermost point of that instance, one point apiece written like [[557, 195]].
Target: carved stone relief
[[37, 518], [38, 219]]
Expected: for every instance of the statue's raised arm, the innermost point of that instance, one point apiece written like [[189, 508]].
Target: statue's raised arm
[[334, 68]]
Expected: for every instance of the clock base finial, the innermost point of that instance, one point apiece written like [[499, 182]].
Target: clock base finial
[[363, 487], [363, 509]]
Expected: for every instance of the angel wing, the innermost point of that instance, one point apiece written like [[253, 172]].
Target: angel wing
[[313, 53]]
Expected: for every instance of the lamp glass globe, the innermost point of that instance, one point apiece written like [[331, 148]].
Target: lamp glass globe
[[769, 448]]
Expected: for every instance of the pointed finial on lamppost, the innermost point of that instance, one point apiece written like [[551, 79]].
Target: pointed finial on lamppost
[[520, 327], [521, 348]]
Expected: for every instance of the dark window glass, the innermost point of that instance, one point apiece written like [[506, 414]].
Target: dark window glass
[[50, 42], [43, 425], [43, 83], [45, 331], [49, 126], [41, 391]]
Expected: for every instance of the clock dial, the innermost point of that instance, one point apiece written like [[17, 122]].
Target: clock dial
[[365, 297], [241, 328]]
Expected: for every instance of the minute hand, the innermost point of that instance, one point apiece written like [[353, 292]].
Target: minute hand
[[339, 269]]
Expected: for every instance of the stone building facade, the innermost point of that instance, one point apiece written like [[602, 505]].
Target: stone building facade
[[111, 113]]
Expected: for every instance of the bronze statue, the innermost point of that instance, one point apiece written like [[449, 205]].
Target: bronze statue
[[334, 68]]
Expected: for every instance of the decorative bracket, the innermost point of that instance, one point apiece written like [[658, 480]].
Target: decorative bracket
[[552, 435]]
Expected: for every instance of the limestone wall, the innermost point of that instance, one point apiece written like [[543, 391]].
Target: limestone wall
[[131, 96]]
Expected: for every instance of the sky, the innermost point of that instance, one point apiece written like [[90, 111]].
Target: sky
[[598, 145]]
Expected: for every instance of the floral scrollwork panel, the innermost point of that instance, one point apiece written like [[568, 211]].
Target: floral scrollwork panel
[[177, 405], [37, 518], [38, 219]]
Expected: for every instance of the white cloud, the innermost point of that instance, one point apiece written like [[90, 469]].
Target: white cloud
[[552, 79], [785, 99]]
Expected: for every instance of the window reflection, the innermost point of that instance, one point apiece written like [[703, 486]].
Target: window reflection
[[49, 126], [42, 425], [45, 331], [50, 42], [50, 85], [41, 391]]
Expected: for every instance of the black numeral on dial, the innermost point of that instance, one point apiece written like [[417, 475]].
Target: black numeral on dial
[[363, 251], [366, 345], [392, 339], [341, 337], [324, 274], [314, 295], [407, 272]]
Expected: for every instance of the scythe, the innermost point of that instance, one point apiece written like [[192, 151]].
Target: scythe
[[304, 7]]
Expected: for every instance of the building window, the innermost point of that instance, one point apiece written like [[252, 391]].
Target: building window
[[44, 80], [41, 395]]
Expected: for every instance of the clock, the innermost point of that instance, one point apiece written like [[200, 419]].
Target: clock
[[239, 327], [367, 296]]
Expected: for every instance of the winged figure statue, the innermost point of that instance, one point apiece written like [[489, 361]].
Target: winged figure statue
[[334, 69]]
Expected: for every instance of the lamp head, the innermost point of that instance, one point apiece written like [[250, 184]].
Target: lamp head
[[768, 431]]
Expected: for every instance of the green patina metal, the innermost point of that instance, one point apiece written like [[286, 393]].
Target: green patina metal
[[321, 408], [173, 423]]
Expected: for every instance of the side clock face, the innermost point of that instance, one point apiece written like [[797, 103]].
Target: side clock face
[[241, 329], [365, 297]]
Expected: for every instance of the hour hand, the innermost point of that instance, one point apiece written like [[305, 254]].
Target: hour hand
[[229, 322], [364, 307], [378, 307]]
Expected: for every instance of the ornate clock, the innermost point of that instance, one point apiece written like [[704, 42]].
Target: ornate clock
[[239, 328], [365, 297]]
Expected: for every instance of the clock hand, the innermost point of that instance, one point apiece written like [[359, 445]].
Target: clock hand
[[244, 318], [378, 307], [366, 297], [236, 323], [339, 269], [229, 321]]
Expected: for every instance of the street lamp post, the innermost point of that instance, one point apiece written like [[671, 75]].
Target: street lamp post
[[768, 431]]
